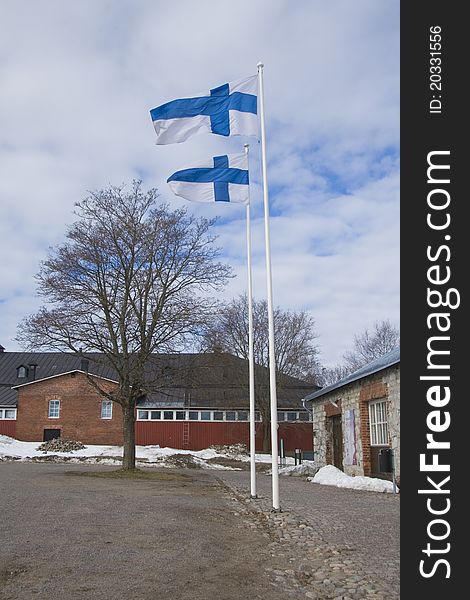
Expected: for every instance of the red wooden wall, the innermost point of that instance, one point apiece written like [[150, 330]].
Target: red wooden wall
[[200, 435], [8, 428]]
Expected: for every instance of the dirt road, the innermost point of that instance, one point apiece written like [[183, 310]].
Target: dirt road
[[73, 537]]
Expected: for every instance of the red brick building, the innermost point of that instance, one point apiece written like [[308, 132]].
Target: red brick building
[[192, 401], [67, 405]]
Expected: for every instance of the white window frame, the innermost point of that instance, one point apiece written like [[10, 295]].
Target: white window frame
[[199, 412], [57, 403], [378, 423], [107, 409], [3, 413]]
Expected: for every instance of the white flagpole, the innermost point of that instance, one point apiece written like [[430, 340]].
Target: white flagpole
[[251, 363], [272, 356]]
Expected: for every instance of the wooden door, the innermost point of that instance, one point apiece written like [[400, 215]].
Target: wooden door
[[51, 434], [337, 434]]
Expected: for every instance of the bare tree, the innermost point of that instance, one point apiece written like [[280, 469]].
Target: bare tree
[[130, 280], [370, 345], [296, 353], [329, 375]]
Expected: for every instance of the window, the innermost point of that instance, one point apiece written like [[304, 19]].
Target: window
[[304, 416], [281, 416], [106, 409], [292, 416], [21, 372], [378, 423], [7, 414], [54, 409], [198, 415]]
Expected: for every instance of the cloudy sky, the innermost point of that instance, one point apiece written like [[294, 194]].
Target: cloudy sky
[[77, 81]]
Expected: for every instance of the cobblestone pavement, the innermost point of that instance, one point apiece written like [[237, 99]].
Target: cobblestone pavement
[[341, 544]]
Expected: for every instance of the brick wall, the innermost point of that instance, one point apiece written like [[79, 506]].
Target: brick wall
[[372, 389], [80, 411]]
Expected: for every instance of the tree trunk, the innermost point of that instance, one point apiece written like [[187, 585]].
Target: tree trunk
[[266, 435], [128, 428]]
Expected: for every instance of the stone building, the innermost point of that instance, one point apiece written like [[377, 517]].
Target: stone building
[[358, 416]]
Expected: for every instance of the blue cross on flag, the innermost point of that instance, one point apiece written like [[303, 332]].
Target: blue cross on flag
[[220, 179], [230, 109]]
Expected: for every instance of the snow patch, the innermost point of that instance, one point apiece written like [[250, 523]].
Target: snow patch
[[330, 475], [303, 470], [146, 456]]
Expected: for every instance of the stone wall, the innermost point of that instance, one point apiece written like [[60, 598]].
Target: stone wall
[[351, 401]]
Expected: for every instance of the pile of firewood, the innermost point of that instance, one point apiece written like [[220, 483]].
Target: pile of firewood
[[230, 449], [60, 445]]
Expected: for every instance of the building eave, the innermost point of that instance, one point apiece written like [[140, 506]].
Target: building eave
[[21, 385], [385, 362]]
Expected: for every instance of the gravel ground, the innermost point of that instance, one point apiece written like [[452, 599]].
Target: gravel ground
[[66, 536], [72, 537]]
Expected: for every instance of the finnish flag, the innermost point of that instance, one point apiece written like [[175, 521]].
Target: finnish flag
[[230, 109], [220, 179]]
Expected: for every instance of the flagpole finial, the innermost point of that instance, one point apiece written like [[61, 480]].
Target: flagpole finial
[[260, 65]]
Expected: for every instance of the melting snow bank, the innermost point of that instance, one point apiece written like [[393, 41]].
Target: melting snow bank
[[302, 470], [330, 475], [147, 456]]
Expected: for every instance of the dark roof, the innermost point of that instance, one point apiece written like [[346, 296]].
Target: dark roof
[[40, 365], [379, 364], [205, 380], [7, 396]]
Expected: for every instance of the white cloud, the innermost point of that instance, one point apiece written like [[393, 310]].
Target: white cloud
[[78, 80]]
